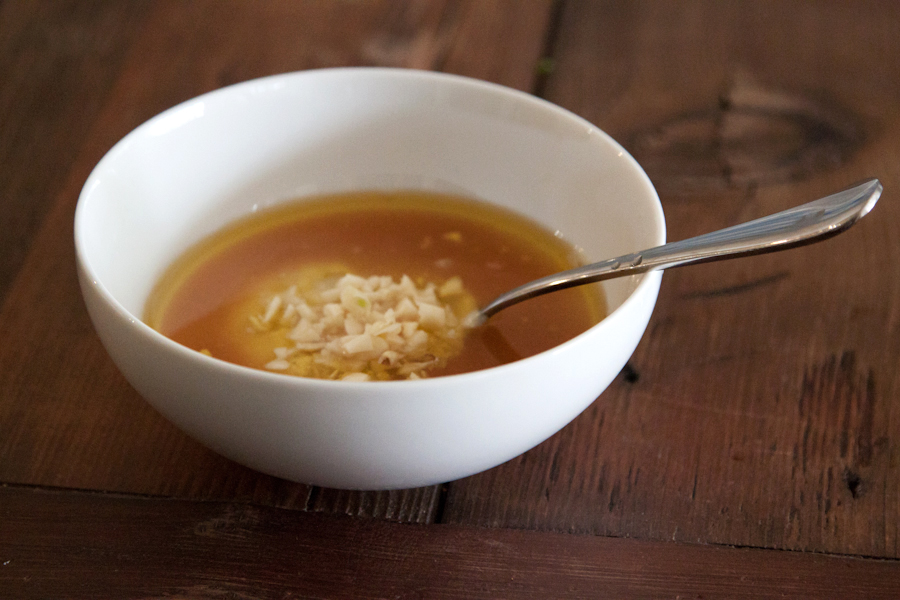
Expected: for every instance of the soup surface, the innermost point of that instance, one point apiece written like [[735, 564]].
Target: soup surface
[[218, 296]]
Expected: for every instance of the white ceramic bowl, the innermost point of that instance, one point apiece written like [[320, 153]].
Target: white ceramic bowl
[[204, 163]]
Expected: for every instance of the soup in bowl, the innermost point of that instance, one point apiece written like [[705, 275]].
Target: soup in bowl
[[314, 139]]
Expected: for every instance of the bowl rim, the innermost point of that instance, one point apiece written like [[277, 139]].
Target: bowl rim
[[649, 282]]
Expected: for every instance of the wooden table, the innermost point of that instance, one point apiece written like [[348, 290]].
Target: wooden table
[[751, 448]]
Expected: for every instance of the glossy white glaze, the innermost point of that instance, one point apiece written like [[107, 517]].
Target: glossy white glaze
[[204, 163]]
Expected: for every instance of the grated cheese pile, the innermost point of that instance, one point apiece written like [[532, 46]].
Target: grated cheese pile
[[359, 329]]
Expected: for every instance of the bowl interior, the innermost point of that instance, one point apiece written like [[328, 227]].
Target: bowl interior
[[202, 164]]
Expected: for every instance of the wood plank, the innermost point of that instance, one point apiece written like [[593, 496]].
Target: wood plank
[[53, 82], [761, 407], [80, 425], [416, 505], [75, 545], [524, 29]]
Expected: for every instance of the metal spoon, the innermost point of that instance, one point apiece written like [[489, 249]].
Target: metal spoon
[[798, 226]]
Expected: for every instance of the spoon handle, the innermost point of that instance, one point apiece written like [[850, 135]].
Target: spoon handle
[[805, 224]]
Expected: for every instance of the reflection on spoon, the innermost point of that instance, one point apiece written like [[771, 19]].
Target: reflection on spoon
[[805, 224]]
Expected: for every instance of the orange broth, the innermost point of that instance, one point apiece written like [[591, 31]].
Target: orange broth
[[205, 299]]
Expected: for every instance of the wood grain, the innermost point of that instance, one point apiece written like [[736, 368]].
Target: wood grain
[[761, 407], [67, 418], [54, 78], [77, 545]]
